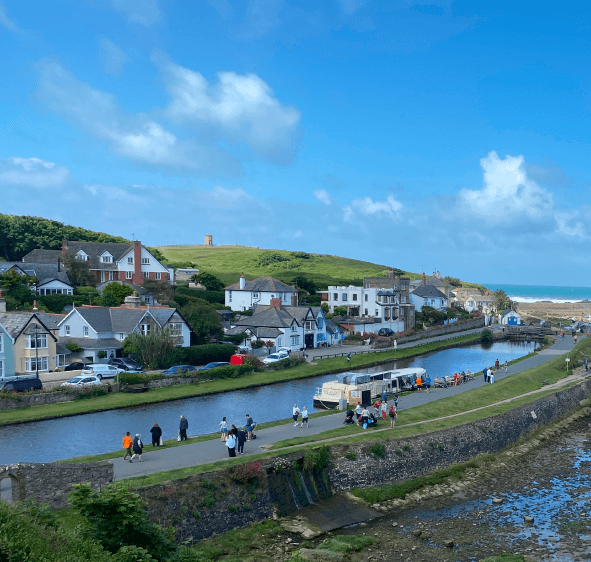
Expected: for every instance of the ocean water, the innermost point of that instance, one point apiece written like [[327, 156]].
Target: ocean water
[[532, 293]]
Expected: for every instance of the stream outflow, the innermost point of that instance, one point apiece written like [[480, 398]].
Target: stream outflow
[[101, 432]]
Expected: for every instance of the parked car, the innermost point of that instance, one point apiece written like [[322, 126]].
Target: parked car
[[179, 369], [83, 381], [284, 350], [214, 365], [126, 364], [20, 385], [100, 370], [274, 357], [76, 366], [386, 332]]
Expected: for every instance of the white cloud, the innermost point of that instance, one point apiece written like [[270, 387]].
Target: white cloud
[[238, 108], [366, 206], [323, 196], [112, 56], [508, 192], [5, 21], [135, 136], [564, 224], [221, 197], [144, 12], [33, 172]]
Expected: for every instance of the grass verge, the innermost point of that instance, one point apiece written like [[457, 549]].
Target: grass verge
[[124, 400]]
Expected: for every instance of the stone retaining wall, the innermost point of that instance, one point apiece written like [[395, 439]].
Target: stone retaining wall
[[27, 400], [450, 329], [51, 482]]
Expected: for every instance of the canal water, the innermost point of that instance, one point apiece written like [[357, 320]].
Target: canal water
[[51, 440]]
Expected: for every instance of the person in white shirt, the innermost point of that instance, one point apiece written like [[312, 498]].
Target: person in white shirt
[[304, 417], [358, 409], [231, 444], [224, 428], [364, 415], [296, 413]]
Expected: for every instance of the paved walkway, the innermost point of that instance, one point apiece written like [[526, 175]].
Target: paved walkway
[[214, 450]]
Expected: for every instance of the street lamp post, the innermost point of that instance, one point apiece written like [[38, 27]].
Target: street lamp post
[[567, 362], [36, 332]]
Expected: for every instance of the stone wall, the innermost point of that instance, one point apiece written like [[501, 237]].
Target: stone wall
[[51, 482], [27, 400], [459, 326]]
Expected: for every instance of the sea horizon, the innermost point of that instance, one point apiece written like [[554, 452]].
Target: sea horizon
[[551, 293]]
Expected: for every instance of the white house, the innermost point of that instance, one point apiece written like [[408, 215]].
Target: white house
[[510, 318], [52, 278], [98, 329], [244, 294], [429, 295], [296, 327], [484, 303]]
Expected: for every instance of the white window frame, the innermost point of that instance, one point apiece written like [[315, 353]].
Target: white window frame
[[145, 261], [67, 329], [158, 276], [295, 340], [344, 297], [335, 296], [309, 325], [81, 255], [294, 328], [129, 275], [355, 296], [1, 367], [40, 343], [145, 329], [85, 331], [31, 364], [107, 259], [1, 343], [130, 260], [176, 328], [146, 274]]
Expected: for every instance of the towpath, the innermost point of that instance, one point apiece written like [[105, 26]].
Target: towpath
[[214, 450]]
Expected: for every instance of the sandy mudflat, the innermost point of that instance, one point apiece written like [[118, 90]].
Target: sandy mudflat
[[541, 309]]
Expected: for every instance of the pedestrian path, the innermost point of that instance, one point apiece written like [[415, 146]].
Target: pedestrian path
[[214, 450]]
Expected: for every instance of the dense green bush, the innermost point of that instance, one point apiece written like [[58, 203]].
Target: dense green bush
[[197, 355], [291, 361], [317, 458], [486, 336], [137, 378]]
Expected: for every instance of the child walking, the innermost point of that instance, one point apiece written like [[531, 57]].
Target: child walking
[[392, 413], [224, 429]]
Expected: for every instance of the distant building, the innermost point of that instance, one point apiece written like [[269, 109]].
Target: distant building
[[52, 278], [244, 294], [185, 273], [208, 240]]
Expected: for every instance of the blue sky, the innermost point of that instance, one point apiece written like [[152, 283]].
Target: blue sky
[[451, 136]]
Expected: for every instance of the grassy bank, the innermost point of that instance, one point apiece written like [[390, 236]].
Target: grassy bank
[[124, 400]]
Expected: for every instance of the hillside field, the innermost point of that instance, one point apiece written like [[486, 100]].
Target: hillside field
[[228, 262]]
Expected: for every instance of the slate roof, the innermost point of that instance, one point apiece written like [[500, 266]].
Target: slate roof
[[331, 326], [43, 256], [16, 322], [429, 291], [508, 311], [271, 317], [94, 343], [263, 285], [45, 272]]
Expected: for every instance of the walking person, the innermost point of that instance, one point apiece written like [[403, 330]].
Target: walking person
[[241, 439], [485, 373], [491, 376], [506, 366], [358, 410], [384, 409], [156, 432], [393, 414], [127, 443], [231, 444], [428, 383], [349, 357], [304, 417], [224, 429], [249, 424], [497, 365], [138, 448], [396, 400], [395, 345], [184, 425], [295, 414]]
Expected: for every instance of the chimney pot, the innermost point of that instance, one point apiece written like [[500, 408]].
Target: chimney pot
[[35, 305]]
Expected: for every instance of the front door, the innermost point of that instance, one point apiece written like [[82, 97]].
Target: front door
[[309, 341]]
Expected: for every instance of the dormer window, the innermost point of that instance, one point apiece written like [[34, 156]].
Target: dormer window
[[82, 256], [106, 258]]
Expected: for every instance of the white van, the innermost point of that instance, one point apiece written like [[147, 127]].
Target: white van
[[100, 370]]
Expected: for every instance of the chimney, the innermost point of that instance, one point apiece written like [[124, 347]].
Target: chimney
[[35, 305], [58, 264], [2, 302], [276, 303], [132, 301], [64, 245], [242, 281], [294, 299], [390, 273], [137, 278]]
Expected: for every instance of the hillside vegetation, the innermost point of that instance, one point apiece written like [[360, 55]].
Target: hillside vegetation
[[228, 262], [21, 234]]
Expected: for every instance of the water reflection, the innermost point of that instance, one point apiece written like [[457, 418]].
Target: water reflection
[[102, 432]]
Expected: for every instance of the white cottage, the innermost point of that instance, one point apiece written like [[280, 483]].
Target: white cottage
[[244, 294]]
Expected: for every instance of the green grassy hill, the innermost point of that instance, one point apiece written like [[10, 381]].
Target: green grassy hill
[[228, 262]]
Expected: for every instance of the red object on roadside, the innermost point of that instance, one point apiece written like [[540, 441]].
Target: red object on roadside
[[238, 359]]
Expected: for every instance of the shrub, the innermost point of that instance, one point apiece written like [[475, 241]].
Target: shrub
[[316, 459], [378, 451], [486, 336], [92, 392], [74, 347], [247, 473], [286, 363]]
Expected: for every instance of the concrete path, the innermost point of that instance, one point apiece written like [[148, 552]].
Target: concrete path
[[214, 450]]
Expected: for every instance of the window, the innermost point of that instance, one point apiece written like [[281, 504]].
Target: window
[[145, 329], [121, 336], [320, 323], [354, 296], [367, 285], [107, 259], [61, 360], [403, 286], [145, 261], [1, 368], [130, 261], [34, 364], [41, 342], [128, 274], [366, 298], [403, 299], [295, 340], [85, 331], [294, 327], [146, 274], [176, 329], [157, 276], [255, 295], [81, 256], [344, 297], [110, 276], [1, 344], [229, 296], [309, 325], [377, 312], [67, 329], [366, 312], [335, 297]]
